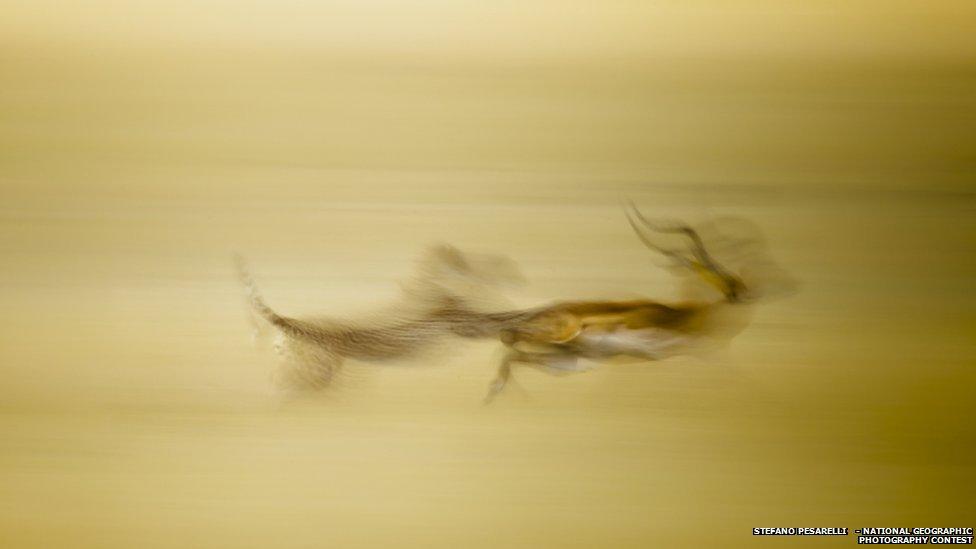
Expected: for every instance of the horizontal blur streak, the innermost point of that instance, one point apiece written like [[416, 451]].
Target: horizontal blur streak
[[142, 142], [511, 29]]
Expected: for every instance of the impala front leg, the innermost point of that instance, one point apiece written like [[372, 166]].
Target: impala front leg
[[504, 374], [556, 362]]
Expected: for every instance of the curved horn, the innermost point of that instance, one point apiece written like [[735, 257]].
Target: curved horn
[[633, 216], [698, 245]]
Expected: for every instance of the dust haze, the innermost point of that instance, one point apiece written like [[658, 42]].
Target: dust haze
[[143, 143]]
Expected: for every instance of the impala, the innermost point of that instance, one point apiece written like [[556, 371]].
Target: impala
[[555, 338], [560, 338]]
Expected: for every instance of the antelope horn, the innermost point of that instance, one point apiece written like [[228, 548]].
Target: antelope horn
[[633, 216], [698, 245]]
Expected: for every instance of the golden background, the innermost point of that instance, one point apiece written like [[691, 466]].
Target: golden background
[[142, 142]]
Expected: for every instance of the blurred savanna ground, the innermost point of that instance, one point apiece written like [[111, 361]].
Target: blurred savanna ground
[[141, 143]]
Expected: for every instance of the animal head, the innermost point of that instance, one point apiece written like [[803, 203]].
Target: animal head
[[757, 279]]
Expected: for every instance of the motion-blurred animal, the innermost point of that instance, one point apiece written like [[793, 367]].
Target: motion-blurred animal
[[572, 336]]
